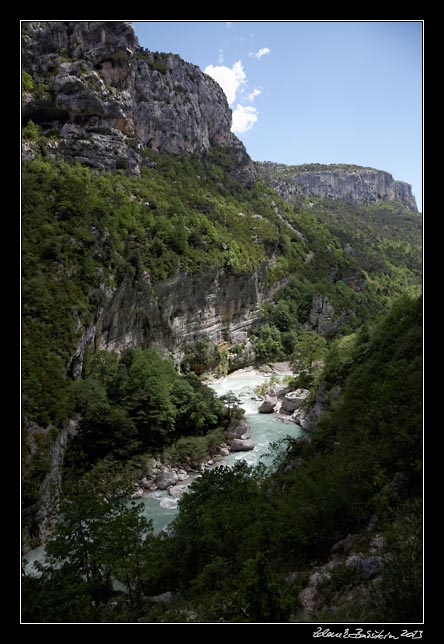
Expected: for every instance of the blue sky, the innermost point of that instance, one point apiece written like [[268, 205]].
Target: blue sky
[[313, 92]]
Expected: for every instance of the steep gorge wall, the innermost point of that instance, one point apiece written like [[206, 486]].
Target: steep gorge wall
[[215, 307], [104, 99]]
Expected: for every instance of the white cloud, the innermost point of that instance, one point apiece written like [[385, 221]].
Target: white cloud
[[220, 58], [229, 78], [252, 95], [243, 118], [264, 51], [228, 25]]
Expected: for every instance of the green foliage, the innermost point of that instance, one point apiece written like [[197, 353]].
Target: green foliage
[[308, 354], [156, 60], [98, 537], [398, 598], [208, 526], [267, 343], [31, 131], [27, 82], [193, 449], [140, 403], [282, 171], [84, 233]]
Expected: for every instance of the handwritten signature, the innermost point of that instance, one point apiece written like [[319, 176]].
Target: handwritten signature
[[359, 633]]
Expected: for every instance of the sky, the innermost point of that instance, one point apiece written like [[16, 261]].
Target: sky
[[313, 92]]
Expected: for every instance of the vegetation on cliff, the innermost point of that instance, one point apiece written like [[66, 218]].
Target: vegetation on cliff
[[85, 232]]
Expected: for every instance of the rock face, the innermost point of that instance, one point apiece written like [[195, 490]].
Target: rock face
[[352, 183], [50, 488], [322, 317], [219, 307], [293, 400], [106, 99]]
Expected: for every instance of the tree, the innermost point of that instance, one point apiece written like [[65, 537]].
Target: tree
[[219, 518], [99, 537], [148, 397], [310, 348], [231, 402], [268, 343]]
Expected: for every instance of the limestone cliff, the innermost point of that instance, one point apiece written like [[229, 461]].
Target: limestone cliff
[[352, 183], [218, 308], [104, 99]]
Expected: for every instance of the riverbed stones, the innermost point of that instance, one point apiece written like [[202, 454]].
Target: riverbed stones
[[300, 417], [176, 491], [166, 478], [241, 445], [138, 494], [268, 405]]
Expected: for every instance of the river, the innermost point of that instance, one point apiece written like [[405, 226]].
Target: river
[[265, 429], [159, 506]]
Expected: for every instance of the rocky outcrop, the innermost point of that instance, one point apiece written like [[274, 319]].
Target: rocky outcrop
[[355, 556], [105, 99], [293, 400], [307, 417], [323, 318], [219, 308], [352, 183], [51, 486]]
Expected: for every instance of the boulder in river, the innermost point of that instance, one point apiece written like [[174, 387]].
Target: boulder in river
[[239, 429], [293, 400], [138, 494], [176, 491], [268, 405], [241, 445], [166, 478]]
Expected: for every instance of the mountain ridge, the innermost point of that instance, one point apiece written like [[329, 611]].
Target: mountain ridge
[[355, 184]]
